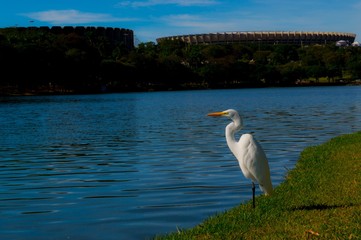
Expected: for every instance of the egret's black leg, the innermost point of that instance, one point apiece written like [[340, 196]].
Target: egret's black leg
[[253, 194]]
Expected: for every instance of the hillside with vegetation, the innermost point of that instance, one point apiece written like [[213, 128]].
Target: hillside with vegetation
[[319, 199], [36, 62]]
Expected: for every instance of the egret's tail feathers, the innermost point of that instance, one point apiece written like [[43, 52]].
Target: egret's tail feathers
[[267, 190], [268, 193]]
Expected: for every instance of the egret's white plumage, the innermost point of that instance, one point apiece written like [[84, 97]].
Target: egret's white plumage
[[249, 153]]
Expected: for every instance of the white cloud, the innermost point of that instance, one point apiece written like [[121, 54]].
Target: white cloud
[[167, 2], [357, 5], [184, 20], [73, 17], [187, 24]]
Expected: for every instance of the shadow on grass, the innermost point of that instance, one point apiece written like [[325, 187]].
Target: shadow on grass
[[320, 207]]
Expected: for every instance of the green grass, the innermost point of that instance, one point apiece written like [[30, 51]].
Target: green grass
[[319, 199]]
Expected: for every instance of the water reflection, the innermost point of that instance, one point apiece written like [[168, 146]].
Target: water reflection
[[135, 165]]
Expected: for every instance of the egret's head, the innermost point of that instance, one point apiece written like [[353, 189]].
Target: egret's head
[[236, 123], [231, 113]]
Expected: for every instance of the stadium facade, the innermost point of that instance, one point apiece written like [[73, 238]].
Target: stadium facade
[[262, 37]]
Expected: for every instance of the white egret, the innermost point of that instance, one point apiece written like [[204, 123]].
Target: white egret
[[249, 153]]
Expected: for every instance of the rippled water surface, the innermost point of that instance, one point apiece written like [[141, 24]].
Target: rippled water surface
[[130, 166]]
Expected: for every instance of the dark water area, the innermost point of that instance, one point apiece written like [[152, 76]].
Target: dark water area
[[130, 166]]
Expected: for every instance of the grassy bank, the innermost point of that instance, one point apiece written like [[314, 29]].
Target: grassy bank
[[319, 199]]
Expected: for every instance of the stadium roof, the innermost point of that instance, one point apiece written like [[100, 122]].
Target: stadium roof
[[269, 37]]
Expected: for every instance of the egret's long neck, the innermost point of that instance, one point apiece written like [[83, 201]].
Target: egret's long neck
[[231, 129]]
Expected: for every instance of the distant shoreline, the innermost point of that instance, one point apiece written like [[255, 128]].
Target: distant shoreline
[[13, 91]]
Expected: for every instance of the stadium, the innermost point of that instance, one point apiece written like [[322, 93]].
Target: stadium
[[260, 37]]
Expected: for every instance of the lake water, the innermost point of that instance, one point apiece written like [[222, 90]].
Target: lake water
[[130, 166]]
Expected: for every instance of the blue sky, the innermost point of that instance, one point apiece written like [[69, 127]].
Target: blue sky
[[151, 19]]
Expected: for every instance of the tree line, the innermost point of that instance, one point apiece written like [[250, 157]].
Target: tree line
[[43, 62]]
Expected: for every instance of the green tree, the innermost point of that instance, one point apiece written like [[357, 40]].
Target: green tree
[[291, 72]]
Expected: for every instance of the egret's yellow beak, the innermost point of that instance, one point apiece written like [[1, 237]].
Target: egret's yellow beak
[[217, 114]]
